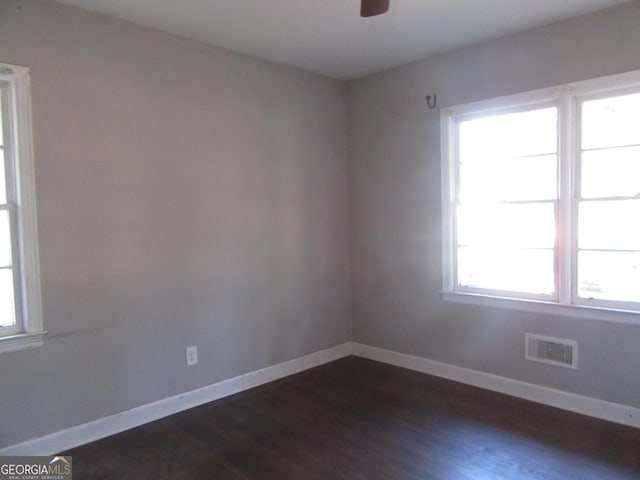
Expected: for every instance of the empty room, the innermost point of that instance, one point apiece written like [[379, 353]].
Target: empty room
[[297, 239]]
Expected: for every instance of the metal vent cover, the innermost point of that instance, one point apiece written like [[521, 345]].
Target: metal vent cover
[[550, 350]]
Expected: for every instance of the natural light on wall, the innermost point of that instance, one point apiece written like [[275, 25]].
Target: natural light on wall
[[541, 197]]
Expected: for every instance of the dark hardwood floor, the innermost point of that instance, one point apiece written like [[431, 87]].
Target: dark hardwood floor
[[358, 419]]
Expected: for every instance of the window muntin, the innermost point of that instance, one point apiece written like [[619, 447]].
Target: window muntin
[[541, 200]]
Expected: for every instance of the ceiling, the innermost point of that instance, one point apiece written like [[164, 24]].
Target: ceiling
[[329, 36]]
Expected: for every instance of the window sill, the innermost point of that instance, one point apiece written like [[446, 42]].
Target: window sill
[[21, 341], [548, 308]]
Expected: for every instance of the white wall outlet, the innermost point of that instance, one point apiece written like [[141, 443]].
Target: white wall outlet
[[192, 356]]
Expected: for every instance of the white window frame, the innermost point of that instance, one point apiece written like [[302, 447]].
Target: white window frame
[[16, 90], [568, 98]]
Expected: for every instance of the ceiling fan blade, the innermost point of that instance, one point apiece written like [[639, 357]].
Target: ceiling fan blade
[[370, 8]]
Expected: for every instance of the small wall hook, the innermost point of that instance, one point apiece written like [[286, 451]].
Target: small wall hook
[[431, 103]]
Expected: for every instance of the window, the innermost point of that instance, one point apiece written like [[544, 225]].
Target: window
[[541, 200], [20, 311]]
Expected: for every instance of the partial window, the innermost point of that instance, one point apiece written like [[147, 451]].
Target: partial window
[[608, 201], [20, 311]]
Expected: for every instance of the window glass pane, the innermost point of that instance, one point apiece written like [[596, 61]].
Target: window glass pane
[[609, 275], [613, 172], [529, 178], [611, 122], [3, 180], [5, 240], [512, 135], [529, 225], [507, 269], [610, 225], [7, 309]]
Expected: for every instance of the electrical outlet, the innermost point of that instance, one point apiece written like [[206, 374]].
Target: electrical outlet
[[192, 356]]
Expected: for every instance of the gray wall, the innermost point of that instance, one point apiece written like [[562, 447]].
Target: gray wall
[[395, 206], [186, 196]]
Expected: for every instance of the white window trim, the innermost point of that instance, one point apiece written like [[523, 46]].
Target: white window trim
[[31, 332], [566, 97]]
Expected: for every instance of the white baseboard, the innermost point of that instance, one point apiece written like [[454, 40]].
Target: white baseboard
[[119, 422], [592, 407]]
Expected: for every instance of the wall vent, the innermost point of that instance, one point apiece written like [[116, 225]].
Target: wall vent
[[550, 350]]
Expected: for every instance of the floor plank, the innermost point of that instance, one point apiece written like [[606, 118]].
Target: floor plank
[[359, 419]]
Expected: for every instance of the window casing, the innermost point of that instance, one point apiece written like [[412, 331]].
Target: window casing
[[20, 310], [541, 200]]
